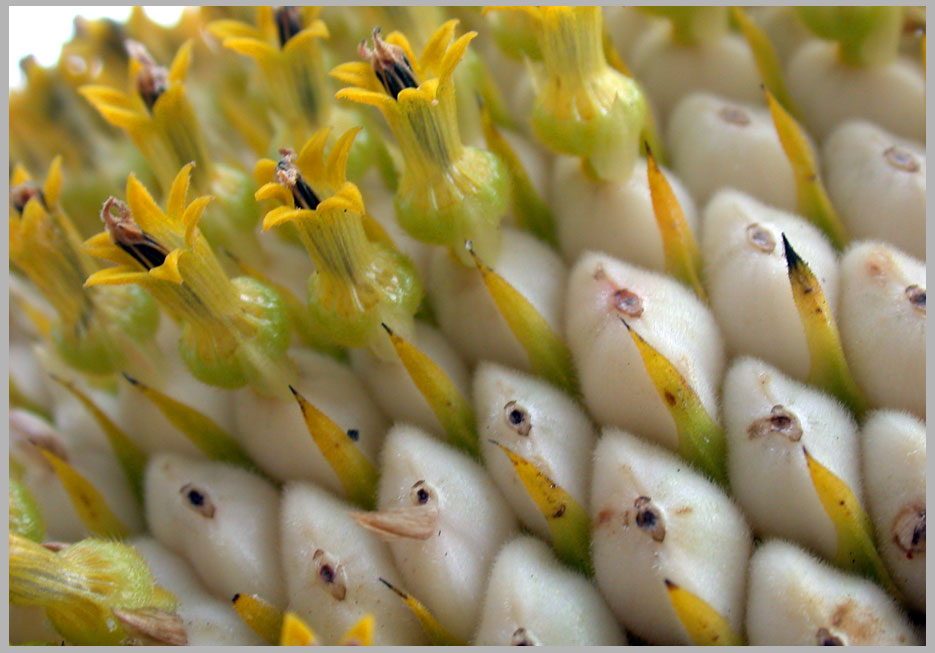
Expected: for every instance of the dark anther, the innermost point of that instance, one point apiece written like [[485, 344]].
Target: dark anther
[[353, 434], [331, 572], [909, 530], [20, 195], [523, 637], [628, 302], [287, 173], [289, 23], [198, 500], [126, 234], [780, 421], [153, 79], [327, 573], [421, 493], [390, 64]]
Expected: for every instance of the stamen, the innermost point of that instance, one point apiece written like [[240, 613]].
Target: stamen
[[126, 234], [289, 23], [389, 63], [20, 195], [153, 79], [287, 173]]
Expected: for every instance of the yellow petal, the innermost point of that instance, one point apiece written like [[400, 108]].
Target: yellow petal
[[200, 429], [263, 171], [169, 270], [567, 519], [104, 96], [282, 214], [317, 30], [361, 633], [20, 175], [683, 260], [437, 634], [454, 55], [131, 457], [701, 439], [767, 60], [180, 63], [52, 189], [829, 370], [548, 354], [275, 191], [116, 276], [146, 212], [705, 626], [192, 215], [226, 29], [295, 632], [357, 73], [175, 205], [101, 246], [265, 619], [311, 158], [362, 96], [856, 551], [357, 474], [434, 50], [90, 504], [252, 48], [336, 165], [446, 401]]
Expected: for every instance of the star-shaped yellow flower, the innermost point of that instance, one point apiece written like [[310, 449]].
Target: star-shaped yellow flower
[[448, 192]]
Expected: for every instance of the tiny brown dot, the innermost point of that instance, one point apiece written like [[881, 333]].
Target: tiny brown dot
[[558, 513], [901, 159], [734, 116], [825, 638], [670, 398], [780, 421], [649, 518], [760, 238], [916, 297]]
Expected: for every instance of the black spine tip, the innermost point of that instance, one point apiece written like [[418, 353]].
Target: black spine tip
[[792, 259], [130, 378], [649, 151], [295, 393], [669, 583], [386, 328], [491, 441], [386, 582], [625, 324], [236, 596]]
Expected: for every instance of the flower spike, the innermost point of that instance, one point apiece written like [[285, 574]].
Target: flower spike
[[448, 192], [359, 281]]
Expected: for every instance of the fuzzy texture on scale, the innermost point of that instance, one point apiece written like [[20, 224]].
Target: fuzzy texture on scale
[[533, 599], [541, 424], [670, 71], [870, 174], [746, 276], [274, 433], [223, 520], [769, 418], [796, 600], [616, 218], [882, 309], [209, 621], [894, 477], [462, 301], [828, 92], [718, 143], [448, 570], [332, 567], [688, 532], [603, 291], [394, 390]]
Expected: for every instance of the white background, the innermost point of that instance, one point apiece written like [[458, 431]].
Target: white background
[[41, 31]]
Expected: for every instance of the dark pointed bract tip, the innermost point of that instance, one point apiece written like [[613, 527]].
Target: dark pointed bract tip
[[235, 597], [295, 393], [130, 379], [649, 151], [386, 327], [792, 259], [625, 324], [395, 589], [492, 441], [669, 583]]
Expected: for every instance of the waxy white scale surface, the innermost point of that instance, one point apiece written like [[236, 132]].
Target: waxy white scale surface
[[769, 475], [448, 571], [234, 550], [704, 550], [749, 287], [616, 386], [793, 595]]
